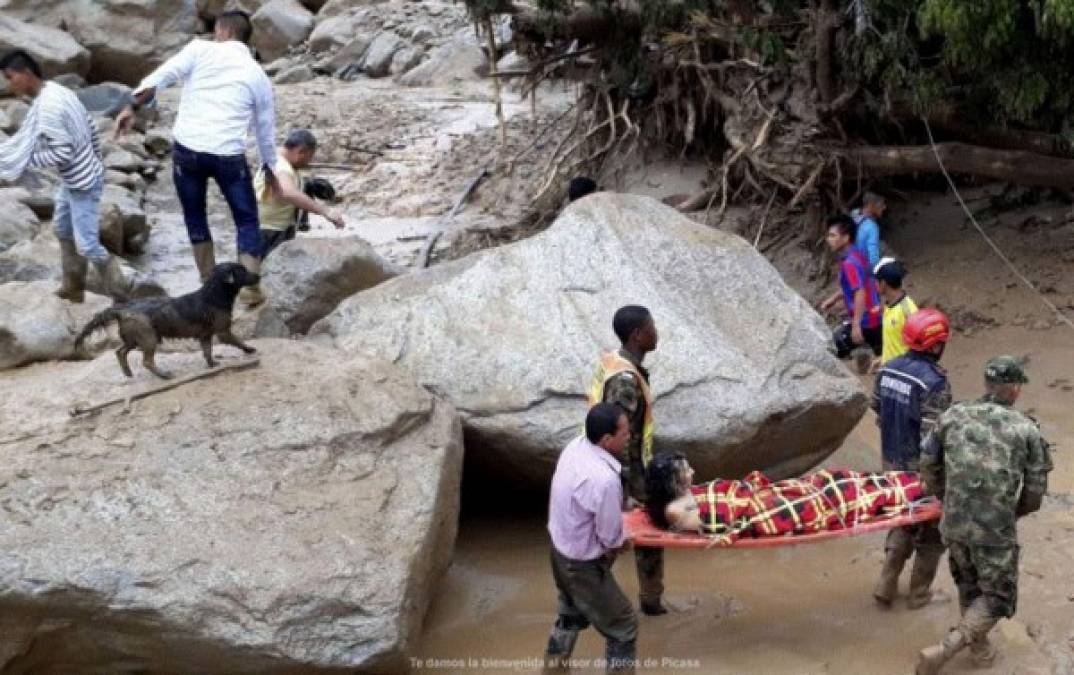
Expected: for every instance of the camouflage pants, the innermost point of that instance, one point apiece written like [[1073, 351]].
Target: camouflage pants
[[649, 561], [987, 572]]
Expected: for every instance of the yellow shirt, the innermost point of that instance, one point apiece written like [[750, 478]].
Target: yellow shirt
[[894, 319], [273, 212]]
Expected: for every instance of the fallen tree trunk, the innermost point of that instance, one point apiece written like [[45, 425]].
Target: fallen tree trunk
[[1024, 168]]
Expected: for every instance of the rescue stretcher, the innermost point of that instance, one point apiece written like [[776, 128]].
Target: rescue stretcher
[[642, 532]]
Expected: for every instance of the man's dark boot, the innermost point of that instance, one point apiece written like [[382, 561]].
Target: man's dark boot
[[650, 564], [560, 647], [921, 577], [622, 657]]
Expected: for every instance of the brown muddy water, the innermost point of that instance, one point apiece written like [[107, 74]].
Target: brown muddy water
[[794, 610]]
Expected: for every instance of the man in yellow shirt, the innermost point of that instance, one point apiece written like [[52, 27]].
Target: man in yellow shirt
[[898, 306], [278, 209]]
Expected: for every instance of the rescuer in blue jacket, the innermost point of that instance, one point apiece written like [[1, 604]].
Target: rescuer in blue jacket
[[911, 392]]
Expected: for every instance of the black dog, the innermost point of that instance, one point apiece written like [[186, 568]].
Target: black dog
[[199, 315]]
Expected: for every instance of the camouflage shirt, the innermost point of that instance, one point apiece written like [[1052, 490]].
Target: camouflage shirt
[[989, 464], [623, 390]]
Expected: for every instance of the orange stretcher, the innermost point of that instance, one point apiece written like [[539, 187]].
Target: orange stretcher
[[642, 532]]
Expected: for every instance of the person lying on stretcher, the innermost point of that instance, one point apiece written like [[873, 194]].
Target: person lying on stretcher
[[756, 506]]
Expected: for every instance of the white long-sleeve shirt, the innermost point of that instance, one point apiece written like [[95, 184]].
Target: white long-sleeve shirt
[[225, 93]]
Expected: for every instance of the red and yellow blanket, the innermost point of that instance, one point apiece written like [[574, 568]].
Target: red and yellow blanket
[[816, 506]]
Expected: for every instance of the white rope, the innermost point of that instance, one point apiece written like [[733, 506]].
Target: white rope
[[1048, 303]]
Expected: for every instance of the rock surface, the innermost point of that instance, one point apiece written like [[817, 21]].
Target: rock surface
[[307, 278], [127, 40], [124, 227], [17, 221], [278, 25], [40, 259], [35, 325], [511, 336], [457, 60], [191, 536], [56, 51]]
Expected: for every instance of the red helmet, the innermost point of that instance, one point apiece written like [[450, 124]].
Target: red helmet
[[925, 328]]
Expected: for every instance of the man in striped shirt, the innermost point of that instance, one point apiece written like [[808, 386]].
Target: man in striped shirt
[[225, 93], [58, 132]]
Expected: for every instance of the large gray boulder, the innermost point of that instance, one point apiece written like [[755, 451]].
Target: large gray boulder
[[332, 33], [55, 50], [378, 58], [307, 278], [511, 336], [278, 25], [17, 221], [455, 61], [127, 40], [291, 518], [35, 325]]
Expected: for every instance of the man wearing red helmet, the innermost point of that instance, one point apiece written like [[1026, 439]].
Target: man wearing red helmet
[[910, 394]]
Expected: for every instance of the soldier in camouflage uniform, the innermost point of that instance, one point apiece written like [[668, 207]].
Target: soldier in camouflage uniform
[[621, 379], [989, 465]]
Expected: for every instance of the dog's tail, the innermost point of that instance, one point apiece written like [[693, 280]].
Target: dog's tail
[[99, 321]]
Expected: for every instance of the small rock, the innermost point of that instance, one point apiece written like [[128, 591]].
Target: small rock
[[348, 57], [106, 98], [16, 114], [279, 24], [158, 141], [378, 59], [70, 80], [17, 221], [124, 227], [280, 64], [456, 60], [35, 325], [297, 73], [118, 159], [331, 34], [422, 34], [404, 60]]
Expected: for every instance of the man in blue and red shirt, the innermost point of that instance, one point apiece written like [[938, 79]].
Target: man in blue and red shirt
[[858, 290]]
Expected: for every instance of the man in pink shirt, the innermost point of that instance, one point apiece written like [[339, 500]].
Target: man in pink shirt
[[586, 524]]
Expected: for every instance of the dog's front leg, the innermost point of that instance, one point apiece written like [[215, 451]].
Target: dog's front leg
[[228, 338], [207, 350]]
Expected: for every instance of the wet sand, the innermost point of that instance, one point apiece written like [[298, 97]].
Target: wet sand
[[793, 610]]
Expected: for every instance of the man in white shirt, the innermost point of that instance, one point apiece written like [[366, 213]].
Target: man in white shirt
[[224, 92]]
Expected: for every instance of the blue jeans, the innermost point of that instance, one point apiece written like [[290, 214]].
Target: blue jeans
[[78, 217], [191, 172]]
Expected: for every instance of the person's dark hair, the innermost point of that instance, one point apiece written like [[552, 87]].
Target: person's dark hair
[[238, 22], [662, 485], [603, 419], [629, 319], [872, 198], [579, 187], [21, 61], [845, 224], [300, 138], [891, 273]]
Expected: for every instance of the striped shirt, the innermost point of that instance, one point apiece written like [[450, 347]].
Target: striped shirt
[[68, 139]]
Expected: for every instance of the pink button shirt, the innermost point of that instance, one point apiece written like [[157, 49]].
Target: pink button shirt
[[585, 506]]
